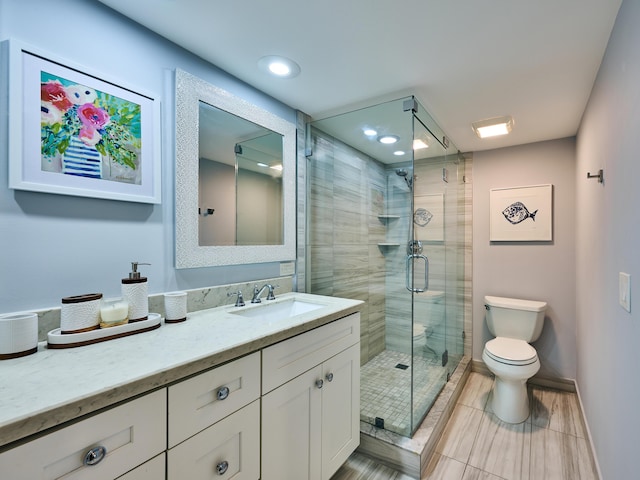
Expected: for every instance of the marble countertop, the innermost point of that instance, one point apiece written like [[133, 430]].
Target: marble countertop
[[54, 386]]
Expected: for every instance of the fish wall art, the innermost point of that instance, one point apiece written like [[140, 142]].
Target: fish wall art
[[521, 213]]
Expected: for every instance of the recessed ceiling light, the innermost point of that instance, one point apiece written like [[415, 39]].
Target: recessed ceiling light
[[279, 66], [388, 139], [370, 132], [493, 127], [263, 165], [277, 166], [398, 153]]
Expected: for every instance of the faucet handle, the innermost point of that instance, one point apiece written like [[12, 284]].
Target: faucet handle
[[270, 295], [239, 300]]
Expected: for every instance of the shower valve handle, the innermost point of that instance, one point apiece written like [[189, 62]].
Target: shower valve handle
[[319, 383], [329, 377]]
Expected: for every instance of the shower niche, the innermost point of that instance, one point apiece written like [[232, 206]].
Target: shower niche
[[376, 195]]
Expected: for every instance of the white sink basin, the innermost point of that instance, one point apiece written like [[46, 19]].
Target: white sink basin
[[271, 312]]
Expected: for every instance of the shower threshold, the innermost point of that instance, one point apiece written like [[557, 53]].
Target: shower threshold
[[411, 455]]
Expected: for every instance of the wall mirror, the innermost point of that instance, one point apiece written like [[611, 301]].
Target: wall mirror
[[235, 179]]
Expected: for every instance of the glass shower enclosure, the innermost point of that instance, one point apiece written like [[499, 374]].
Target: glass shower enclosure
[[385, 200]]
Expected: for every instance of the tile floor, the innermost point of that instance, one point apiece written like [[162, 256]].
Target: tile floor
[[385, 390], [550, 445]]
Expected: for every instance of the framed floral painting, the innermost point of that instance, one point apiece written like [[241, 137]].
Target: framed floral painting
[[75, 132]]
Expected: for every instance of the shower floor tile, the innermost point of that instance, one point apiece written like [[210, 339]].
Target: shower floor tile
[[385, 389]]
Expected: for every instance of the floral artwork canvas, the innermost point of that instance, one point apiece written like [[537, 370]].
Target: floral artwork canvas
[[87, 132], [73, 131]]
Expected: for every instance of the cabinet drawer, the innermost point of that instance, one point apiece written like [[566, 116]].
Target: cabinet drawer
[[200, 401], [154, 469], [230, 449], [131, 433], [288, 359]]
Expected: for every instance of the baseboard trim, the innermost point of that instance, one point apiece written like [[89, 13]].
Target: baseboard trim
[[586, 427], [557, 383]]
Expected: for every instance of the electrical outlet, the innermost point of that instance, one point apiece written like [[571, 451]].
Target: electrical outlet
[[624, 291]]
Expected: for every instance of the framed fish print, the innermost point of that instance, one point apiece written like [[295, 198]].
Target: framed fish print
[[521, 214], [75, 132]]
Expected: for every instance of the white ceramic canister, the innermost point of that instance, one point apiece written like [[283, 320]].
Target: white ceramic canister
[[18, 335], [80, 313], [175, 307]]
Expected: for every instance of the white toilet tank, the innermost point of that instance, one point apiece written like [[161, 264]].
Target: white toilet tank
[[514, 318]]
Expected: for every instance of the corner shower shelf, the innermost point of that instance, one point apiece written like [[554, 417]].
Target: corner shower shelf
[[387, 244], [385, 218]]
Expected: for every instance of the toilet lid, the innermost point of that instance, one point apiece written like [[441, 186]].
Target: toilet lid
[[511, 351]]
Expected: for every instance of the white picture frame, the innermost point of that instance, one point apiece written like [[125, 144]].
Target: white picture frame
[[521, 214], [120, 157]]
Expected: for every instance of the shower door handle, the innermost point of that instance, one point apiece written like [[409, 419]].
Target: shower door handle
[[410, 259]]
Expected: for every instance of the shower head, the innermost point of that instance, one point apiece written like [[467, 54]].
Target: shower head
[[402, 172]]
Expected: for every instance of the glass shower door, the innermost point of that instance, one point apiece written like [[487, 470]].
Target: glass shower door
[[427, 256]]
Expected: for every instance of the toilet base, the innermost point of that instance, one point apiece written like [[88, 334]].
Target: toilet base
[[510, 401]]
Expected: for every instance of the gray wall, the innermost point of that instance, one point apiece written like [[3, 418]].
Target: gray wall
[[608, 238], [538, 270], [54, 246]]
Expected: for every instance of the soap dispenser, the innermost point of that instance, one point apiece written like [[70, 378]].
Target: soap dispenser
[[134, 291]]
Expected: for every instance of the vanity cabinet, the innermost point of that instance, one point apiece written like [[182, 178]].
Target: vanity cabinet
[[214, 423], [311, 402], [101, 447]]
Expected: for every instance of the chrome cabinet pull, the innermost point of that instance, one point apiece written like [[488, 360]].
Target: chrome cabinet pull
[[222, 467], [94, 456], [319, 383], [329, 377], [223, 392]]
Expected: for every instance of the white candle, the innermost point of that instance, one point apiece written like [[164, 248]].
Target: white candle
[[114, 311]]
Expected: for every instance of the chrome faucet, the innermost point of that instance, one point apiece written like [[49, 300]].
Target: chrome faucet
[[258, 291], [239, 300]]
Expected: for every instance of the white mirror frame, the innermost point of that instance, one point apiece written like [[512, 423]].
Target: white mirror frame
[[190, 90]]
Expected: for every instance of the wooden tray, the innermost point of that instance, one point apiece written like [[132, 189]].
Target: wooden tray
[[55, 339]]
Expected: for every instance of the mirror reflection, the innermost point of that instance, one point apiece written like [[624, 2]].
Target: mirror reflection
[[240, 191]]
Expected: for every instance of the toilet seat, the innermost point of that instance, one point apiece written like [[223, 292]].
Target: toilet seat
[[511, 351]]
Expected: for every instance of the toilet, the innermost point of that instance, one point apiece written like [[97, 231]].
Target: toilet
[[515, 323]]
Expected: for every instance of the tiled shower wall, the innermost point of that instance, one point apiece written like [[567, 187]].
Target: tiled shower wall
[[343, 231]]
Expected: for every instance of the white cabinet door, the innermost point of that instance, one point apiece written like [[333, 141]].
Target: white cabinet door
[[119, 440], [152, 470], [291, 429], [340, 409], [230, 449]]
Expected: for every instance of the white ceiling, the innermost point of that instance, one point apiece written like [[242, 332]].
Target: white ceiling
[[465, 60]]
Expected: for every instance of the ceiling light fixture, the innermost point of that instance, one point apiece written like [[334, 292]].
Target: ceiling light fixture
[[493, 127], [398, 153], [278, 66], [277, 166], [388, 139], [370, 132]]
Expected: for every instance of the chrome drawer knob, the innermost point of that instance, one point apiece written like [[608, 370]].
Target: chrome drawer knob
[[94, 456], [222, 467], [329, 377], [319, 383], [223, 392]]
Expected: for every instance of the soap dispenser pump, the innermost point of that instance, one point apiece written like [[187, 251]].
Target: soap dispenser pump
[[134, 291]]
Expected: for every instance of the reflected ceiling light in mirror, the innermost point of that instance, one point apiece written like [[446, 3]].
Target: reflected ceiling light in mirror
[[419, 144], [399, 153], [278, 66], [277, 167], [263, 165], [492, 127], [388, 139]]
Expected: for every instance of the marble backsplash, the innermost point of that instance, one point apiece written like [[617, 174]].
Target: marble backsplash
[[197, 299]]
